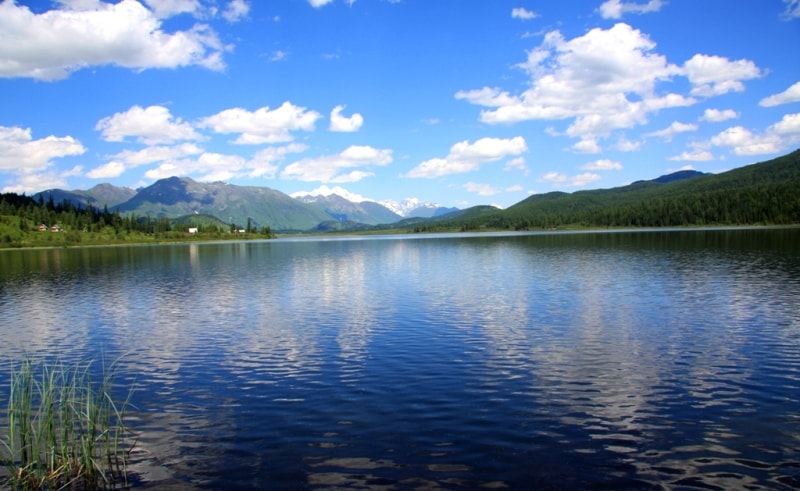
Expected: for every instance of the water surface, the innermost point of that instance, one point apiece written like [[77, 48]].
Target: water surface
[[647, 360]]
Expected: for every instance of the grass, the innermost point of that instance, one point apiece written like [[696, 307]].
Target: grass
[[64, 431]]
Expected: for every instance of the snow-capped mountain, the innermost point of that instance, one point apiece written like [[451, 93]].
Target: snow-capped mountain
[[409, 207]]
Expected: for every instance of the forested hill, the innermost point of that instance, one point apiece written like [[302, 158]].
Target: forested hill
[[767, 193]]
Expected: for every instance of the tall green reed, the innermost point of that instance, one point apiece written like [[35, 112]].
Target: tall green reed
[[64, 430]]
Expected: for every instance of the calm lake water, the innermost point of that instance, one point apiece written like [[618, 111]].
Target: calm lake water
[[624, 360]]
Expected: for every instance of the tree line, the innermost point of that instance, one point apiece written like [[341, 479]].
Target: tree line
[[22, 216]]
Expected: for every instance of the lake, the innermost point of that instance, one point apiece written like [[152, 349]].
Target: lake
[[618, 360]]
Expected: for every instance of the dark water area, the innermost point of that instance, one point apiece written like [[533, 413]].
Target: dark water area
[[619, 360]]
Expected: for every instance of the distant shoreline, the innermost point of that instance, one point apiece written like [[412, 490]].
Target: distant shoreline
[[471, 233]]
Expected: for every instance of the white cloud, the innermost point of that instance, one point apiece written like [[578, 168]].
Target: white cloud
[[602, 81], [336, 168], [55, 43], [189, 159], [625, 145], [517, 164], [792, 94], [605, 80], [236, 10], [152, 125], [344, 124], [264, 163], [792, 9], [263, 125], [278, 55], [744, 142], [615, 9], [697, 155], [523, 13], [488, 190], [128, 159], [583, 179], [107, 171], [466, 157], [587, 145], [558, 179], [153, 154], [50, 179], [716, 115], [208, 166], [164, 9], [31, 160], [674, 129], [328, 191], [482, 189], [778, 137], [715, 75], [789, 125], [21, 154], [602, 164], [319, 3]]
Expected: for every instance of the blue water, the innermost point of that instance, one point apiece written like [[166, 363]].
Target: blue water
[[623, 360]]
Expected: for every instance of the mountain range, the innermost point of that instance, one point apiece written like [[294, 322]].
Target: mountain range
[[766, 192], [176, 197]]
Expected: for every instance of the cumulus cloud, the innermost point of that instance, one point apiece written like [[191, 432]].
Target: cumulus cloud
[[319, 3], [523, 13], [716, 115], [602, 164], [21, 154], [344, 124], [466, 157], [151, 125], [615, 9], [792, 94], [587, 145], [191, 160], [602, 81], [517, 164], [716, 75], [625, 145], [348, 166], [128, 159], [776, 138], [236, 10], [55, 43], [263, 125], [674, 129], [31, 160], [209, 166], [264, 163]]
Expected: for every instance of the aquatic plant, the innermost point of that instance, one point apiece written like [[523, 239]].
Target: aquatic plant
[[64, 431]]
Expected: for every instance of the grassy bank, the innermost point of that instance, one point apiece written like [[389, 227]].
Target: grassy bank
[[63, 430]]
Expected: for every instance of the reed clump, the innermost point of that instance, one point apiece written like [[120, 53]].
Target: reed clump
[[64, 430]]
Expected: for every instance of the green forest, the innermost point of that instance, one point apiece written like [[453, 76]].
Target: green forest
[[26, 222], [766, 193]]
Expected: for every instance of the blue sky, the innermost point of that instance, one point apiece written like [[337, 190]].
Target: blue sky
[[454, 102]]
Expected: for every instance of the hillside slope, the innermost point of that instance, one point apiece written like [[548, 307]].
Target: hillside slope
[[264, 207], [762, 193]]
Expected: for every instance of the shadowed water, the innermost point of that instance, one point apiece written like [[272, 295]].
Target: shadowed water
[[646, 360]]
